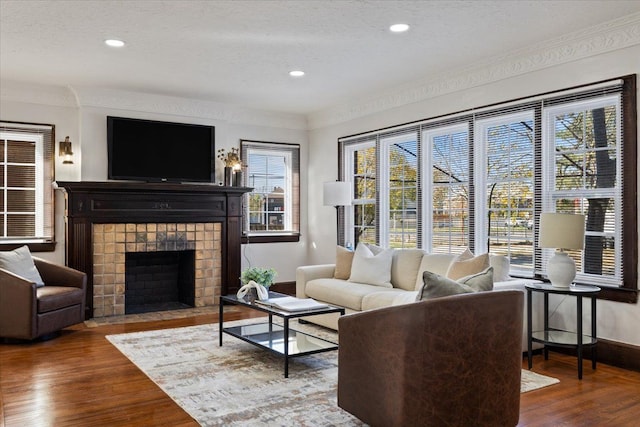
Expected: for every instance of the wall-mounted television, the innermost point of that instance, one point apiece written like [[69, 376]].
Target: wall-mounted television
[[155, 151]]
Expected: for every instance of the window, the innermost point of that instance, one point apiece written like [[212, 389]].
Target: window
[[272, 208], [505, 176], [26, 193], [583, 162], [360, 219], [485, 176], [446, 162], [399, 195]]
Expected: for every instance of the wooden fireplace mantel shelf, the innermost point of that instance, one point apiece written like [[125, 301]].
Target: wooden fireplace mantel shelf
[[89, 203]]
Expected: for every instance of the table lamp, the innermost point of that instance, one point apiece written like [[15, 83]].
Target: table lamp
[[561, 232]]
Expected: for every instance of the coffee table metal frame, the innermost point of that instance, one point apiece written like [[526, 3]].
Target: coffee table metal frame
[[272, 336]]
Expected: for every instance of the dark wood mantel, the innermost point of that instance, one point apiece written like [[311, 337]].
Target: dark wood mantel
[[88, 203]]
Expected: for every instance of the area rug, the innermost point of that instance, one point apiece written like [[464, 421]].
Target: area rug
[[241, 385]]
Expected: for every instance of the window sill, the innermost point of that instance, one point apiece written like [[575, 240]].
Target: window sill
[[283, 238], [33, 247]]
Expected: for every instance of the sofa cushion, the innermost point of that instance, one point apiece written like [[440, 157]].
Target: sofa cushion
[[466, 264], [344, 259], [383, 299], [341, 292], [20, 262], [436, 286], [404, 268], [370, 268], [56, 297], [435, 263]]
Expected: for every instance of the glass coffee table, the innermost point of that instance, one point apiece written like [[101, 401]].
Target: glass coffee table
[[279, 339]]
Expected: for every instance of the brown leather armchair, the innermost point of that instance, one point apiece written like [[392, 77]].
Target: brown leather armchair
[[28, 312], [451, 361]]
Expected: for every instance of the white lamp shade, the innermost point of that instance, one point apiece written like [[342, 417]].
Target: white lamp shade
[[561, 231], [337, 193]]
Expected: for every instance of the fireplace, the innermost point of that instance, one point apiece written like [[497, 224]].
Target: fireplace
[[105, 221]]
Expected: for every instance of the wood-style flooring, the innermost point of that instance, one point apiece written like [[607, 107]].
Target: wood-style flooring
[[80, 379]]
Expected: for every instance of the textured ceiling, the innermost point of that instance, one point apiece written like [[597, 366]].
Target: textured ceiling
[[240, 52]]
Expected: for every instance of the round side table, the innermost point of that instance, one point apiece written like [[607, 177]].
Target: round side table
[[550, 337]]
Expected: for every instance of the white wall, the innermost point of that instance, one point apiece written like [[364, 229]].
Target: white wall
[[81, 113], [616, 321]]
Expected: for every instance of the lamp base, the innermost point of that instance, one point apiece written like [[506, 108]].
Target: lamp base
[[561, 270]]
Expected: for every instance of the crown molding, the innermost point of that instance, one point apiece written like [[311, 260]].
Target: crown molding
[[32, 93], [603, 38], [161, 104]]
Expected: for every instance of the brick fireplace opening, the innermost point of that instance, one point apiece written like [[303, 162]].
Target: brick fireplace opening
[[159, 281], [195, 248]]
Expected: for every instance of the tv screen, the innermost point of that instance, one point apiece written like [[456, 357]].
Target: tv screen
[[148, 150]]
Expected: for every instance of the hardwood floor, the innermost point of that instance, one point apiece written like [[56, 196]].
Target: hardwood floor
[[80, 379]]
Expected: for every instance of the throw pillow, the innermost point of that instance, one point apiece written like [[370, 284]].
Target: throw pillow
[[500, 264], [19, 262], [344, 259], [466, 264], [436, 286], [370, 268]]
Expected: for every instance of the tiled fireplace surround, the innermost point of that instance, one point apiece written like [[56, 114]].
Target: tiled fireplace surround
[[111, 242]]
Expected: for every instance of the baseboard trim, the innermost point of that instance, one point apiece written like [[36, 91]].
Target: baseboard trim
[[288, 288], [621, 355]]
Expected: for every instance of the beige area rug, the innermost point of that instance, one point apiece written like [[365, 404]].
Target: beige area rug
[[239, 384]]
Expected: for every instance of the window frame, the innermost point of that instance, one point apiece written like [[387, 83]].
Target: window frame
[[44, 168], [625, 85], [292, 192]]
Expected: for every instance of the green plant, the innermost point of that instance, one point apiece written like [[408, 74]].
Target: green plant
[[262, 276]]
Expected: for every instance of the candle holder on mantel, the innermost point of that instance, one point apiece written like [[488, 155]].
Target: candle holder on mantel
[[231, 161], [228, 173]]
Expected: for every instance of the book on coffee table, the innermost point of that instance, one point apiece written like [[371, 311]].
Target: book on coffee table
[[292, 303]]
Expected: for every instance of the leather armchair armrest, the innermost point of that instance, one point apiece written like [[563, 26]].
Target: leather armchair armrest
[[17, 306], [311, 272], [376, 347], [60, 275]]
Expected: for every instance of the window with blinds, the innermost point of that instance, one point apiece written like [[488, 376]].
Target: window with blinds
[[482, 177], [360, 218], [447, 180], [583, 158], [399, 194], [272, 208], [504, 151], [26, 177]]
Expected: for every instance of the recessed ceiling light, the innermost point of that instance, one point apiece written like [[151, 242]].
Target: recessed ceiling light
[[114, 43], [296, 73], [399, 28]]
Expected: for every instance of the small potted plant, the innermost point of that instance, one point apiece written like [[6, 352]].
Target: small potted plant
[[262, 276]]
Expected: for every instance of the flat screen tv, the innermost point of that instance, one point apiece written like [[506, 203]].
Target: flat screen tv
[[154, 151]]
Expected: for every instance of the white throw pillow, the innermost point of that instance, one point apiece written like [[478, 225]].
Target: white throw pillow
[[370, 268], [500, 264], [19, 262], [466, 264]]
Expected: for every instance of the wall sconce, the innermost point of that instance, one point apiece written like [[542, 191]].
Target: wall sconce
[[64, 150]]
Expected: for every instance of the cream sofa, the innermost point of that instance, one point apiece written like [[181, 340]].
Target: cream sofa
[[407, 267]]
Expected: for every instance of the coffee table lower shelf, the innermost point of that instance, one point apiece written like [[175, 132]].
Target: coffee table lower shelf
[[271, 336]]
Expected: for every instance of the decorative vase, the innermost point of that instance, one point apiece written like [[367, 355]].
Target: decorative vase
[[228, 173]]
